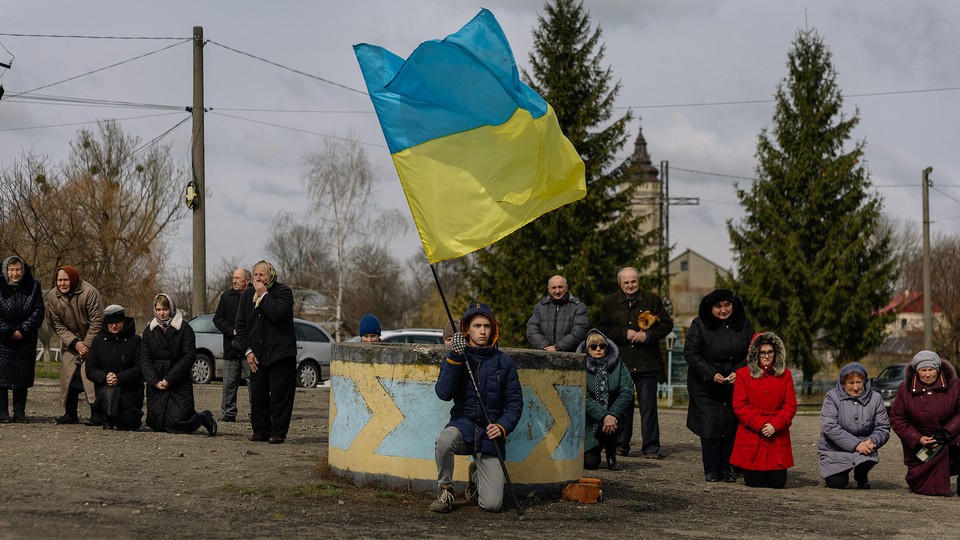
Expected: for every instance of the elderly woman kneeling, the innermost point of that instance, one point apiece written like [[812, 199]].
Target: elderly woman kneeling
[[854, 425], [926, 416]]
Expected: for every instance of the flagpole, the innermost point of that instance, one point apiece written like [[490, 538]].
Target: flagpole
[[483, 407]]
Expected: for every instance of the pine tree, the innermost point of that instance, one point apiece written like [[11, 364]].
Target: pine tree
[[814, 262], [586, 241]]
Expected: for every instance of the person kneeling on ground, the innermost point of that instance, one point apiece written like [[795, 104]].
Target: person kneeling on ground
[[609, 396], [113, 365], [470, 431], [854, 426]]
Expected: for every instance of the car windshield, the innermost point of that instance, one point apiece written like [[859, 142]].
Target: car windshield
[[891, 373]]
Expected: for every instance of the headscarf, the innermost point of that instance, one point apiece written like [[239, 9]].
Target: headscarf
[[925, 359], [271, 279], [72, 273], [164, 323], [13, 259]]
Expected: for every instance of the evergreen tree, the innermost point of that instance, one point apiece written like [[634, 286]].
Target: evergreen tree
[[586, 241], [814, 261]]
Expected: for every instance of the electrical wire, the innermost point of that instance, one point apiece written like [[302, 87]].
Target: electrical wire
[[281, 66], [91, 102], [158, 137], [61, 36], [297, 129], [102, 69], [25, 128]]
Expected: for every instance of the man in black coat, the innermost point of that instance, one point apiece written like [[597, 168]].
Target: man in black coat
[[636, 321], [266, 333], [234, 366]]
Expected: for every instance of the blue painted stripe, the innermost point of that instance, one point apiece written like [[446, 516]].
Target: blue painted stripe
[[572, 441], [534, 424], [352, 412], [414, 436]]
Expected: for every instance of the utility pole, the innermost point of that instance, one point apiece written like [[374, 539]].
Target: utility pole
[[665, 203], [927, 294], [199, 296]]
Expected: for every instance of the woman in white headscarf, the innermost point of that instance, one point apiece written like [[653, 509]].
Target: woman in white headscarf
[[167, 353]]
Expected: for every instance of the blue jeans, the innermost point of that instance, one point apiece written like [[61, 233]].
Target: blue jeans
[[646, 386]]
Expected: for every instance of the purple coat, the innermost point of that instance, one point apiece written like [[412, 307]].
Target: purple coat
[[919, 411], [845, 422]]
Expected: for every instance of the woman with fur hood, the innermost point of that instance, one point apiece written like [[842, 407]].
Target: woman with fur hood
[[926, 416], [765, 402], [715, 348], [609, 398], [854, 426], [167, 352]]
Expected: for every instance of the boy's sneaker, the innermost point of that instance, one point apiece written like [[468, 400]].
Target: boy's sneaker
[[444, 502], [471, 492]]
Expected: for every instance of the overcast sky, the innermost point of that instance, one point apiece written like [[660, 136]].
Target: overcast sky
[[699, 75]]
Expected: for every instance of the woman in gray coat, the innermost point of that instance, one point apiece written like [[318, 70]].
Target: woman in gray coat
[[854, 426]]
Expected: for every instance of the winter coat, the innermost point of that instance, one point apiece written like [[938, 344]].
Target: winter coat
[[561, 324], [619, 387], [715, 347], [267, 329], [619, 314], [919, 411], [760, 398], [497, 382], [847, 421], [225, 319], [169, 355], [21, 308], [120, 354], [76, 316]]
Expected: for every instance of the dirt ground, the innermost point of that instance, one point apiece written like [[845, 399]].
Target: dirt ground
[[84, 482]]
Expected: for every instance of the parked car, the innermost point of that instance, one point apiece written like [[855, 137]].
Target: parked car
[[428, 336], [888, 381], [313, 351]]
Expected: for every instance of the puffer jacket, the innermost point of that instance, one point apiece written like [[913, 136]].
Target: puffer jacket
[[118, 353], [21, 308], [497, 382], [561, 324], [846, 421], [760, 398], [619, 387], [170, 355]]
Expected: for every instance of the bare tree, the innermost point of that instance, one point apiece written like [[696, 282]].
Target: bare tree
[[108, 211], [340, 185]]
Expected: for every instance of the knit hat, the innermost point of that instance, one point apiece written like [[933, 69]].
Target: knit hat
[[113, 313], [853, 367], [369, 325], [925, 359]]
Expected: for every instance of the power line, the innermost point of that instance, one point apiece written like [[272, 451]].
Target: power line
[[297, 111], [162, 135], [25, 128], [87, 37], [281, 66], [707, 173], [297, 129], [102, 69], [757, 101], [90, 102], [945, 194]]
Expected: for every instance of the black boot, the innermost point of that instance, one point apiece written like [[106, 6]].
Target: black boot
[[612, 462], [207, 421], [70, 415], [4, 406], [20, 406], [95, 418]]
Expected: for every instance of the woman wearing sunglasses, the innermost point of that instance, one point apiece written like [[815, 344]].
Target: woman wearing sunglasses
[[609, 398]]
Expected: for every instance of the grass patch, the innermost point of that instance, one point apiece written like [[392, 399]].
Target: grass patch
[[323, 490], [263, 492], [390, 496], [48, 370]]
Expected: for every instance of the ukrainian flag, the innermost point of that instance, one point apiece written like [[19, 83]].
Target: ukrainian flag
[[479, 153]]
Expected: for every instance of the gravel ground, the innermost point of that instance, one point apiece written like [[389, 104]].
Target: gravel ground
[[84, 482]]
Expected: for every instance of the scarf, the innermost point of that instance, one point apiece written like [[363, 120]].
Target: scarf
[[271, 279], [164, 323], [601, 388]]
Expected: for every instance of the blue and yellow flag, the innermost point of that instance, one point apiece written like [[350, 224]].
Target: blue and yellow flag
[[479, 153]]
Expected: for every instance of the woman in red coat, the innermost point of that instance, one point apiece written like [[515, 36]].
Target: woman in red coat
[[926, 416], [765, 403]]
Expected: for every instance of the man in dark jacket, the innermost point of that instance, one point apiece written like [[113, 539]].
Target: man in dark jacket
[[266, 333], [234, 366], [636, 321], [559, 321], [470, 431]]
